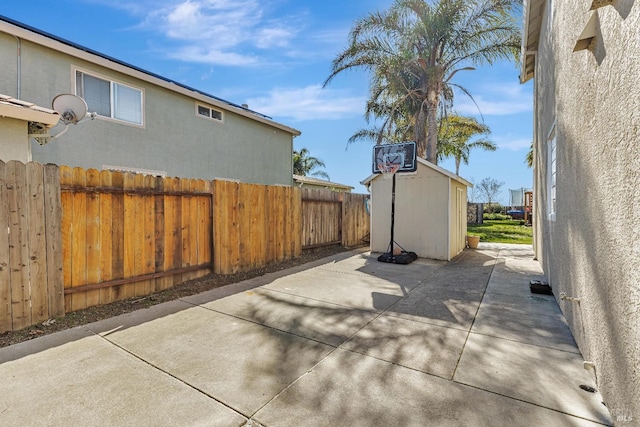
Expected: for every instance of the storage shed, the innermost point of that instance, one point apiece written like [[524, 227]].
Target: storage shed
[[430, 211]]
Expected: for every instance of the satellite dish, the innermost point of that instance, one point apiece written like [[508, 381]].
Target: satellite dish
[[71, 108]]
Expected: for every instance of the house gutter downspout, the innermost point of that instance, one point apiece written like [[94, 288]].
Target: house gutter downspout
[[19, 68]]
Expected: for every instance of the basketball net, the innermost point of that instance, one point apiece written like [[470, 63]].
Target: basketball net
[[388, 169]]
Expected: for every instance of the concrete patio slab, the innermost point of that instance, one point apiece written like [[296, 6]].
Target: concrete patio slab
[[341, 341], [324, 322], [358, 291], [89, 381], [539, 375], [440, 306], [357, 390], [240, 363], [427, 348], [533, 319], [368, 264]]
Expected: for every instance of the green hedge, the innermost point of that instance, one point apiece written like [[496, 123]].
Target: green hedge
[[496, 216]]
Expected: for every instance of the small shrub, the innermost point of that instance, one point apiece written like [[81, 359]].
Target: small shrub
[[492, 208], [496, 217]]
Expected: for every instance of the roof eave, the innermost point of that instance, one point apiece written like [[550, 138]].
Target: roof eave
[[49, 119], [420, 160], [532, 17]]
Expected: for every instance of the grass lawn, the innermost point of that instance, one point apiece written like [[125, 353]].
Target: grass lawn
[[502, 232]]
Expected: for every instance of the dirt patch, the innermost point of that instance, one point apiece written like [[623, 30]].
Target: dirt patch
[[192, 287]]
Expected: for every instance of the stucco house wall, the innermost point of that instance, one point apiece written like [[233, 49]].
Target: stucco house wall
[[17, 118], [172, 138], [589, 248], [426, 219], [14, 144]]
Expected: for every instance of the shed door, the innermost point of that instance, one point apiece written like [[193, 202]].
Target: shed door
[[460, 218]]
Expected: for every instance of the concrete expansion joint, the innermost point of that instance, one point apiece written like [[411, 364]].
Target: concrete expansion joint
[[475, 316]]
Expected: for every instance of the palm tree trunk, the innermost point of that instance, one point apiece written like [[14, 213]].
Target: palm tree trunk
[[432, 132], [420, 134], [458, 166]]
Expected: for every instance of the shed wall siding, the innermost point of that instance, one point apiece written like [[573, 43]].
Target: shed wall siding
[[421, 220], [173, 138], [591, 250]]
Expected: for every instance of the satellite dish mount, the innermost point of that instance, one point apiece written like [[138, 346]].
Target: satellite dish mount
[[72, 110]]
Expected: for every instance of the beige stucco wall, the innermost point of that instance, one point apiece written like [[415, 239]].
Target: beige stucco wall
[[591, 250], [421, 216], [14, 144]]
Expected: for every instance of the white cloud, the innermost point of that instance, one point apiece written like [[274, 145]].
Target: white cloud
[[308, 103], [217, 32], [212, 56], [495, 100], [513, 144]]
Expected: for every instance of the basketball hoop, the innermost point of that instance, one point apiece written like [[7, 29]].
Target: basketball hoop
[[388, 169]]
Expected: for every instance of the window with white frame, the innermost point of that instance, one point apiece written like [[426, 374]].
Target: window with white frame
[[208, 112], [552, 173], [110, 99]]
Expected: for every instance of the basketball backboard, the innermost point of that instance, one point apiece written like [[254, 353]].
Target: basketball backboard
[[403, 154]]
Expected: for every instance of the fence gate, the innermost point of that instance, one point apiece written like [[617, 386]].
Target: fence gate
[[321, 218]]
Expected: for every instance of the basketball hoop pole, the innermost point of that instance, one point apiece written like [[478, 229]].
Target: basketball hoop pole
[[388, 159], [393, 212]]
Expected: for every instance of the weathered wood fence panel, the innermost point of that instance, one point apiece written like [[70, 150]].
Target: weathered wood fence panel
[[30, 262], [255, 225], [321, 218], [127, 235], [355, 219], [331, 218]]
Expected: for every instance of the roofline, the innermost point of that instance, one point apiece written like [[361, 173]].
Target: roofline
[[34, 35], [437, 168], [530, 35], [315, 181], [16, 109]]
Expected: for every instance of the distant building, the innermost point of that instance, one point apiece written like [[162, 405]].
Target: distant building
[[145, 122]]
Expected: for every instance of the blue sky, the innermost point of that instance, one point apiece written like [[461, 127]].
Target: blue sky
[[274, 55]]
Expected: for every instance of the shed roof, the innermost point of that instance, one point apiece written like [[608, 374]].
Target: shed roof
[[34, 35], [533, 11], [422, 161], [27, 111], [319, 182]]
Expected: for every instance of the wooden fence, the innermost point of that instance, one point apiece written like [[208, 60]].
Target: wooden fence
[[126, 235], [255, 225], [31, 286], [79, 238], [331, 218]]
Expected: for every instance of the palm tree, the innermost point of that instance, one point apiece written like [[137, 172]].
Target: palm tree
[[414, 50], [304, 165], [454, 135], [529, 158]]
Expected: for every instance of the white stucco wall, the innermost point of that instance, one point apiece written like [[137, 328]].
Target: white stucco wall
[[14, 144], [591, 250]]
